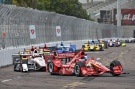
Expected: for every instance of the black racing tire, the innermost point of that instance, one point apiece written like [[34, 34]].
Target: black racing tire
[[15, 64], [112, 65], [15, 67], [101, 48], [83, 46], [77, 69], [71, 49], [106, 46], [51, 68], [19, 66]]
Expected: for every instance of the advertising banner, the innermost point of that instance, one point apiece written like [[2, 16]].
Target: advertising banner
[[127, 16], [32, 31], [58, 31]]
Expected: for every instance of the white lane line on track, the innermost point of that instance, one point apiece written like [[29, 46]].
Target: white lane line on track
[[6, 80]]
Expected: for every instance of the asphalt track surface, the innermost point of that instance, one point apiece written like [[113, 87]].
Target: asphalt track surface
[[43, 80]]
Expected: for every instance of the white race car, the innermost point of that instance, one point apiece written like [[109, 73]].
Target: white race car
[[25, 62]]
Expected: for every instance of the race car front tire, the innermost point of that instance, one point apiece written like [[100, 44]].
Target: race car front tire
[[78, 67], [112, 65], [17, 67], [51, 68]]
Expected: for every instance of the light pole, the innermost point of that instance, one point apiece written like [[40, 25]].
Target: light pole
[[118, 13], [119, 17]]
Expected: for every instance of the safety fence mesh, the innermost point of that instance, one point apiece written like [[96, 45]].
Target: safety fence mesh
[[15, 22]]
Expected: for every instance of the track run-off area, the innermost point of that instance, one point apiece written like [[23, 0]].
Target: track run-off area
[[43, 80]]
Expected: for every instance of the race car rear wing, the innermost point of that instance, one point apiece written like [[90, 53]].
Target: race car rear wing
[[15, 56], [53, 48], [79, 55]]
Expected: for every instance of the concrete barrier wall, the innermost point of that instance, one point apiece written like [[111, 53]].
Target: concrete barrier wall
[[128, 31]]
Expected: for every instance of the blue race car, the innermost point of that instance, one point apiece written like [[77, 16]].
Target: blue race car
[[64, 48]]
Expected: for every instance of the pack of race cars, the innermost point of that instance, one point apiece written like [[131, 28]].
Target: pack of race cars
[[100, 45], [64, 60], [38, 59]]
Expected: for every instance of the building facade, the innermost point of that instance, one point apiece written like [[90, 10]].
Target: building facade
[[89, 1]]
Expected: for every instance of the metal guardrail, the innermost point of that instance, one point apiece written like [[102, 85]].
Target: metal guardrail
[[15, 21]]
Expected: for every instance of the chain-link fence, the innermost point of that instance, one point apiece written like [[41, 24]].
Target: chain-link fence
[[15, 22]]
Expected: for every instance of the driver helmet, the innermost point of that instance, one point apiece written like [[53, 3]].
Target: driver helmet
[[86, 57], [61, 44], [93, 42]]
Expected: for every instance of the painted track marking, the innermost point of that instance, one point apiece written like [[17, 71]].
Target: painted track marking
[[7, 80], [3, 81], [72, 85]]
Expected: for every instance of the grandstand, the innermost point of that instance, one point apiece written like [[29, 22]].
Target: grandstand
[[93, 8]]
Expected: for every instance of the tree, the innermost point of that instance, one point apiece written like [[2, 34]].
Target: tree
[[26, 3], [67, 7]]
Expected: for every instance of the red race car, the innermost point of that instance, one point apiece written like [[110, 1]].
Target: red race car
[[80, 66], [53, 56]]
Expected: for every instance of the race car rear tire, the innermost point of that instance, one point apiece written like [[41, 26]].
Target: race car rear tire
[[15, 65], [113, 64], [83, 46], [71, 50], [101, 48], [51, 68], [105, 44], [19, 67], [78, 67]]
